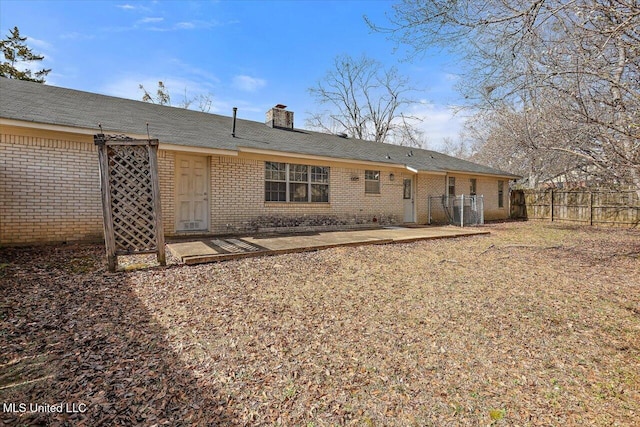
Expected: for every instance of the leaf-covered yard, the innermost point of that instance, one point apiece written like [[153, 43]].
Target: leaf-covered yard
[[536, 324]]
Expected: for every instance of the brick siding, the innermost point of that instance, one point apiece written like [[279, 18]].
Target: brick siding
[[488, 188], [166, 178], [237, 196], [50, 191]]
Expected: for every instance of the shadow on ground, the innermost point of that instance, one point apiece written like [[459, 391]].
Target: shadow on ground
[[72, 335]]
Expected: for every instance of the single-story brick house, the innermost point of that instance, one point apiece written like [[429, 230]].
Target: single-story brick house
[[211, 182]]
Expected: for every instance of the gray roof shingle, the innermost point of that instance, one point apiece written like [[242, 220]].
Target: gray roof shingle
[[38, 103]]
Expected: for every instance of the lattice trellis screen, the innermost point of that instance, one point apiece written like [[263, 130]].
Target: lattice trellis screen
[[130, 197]]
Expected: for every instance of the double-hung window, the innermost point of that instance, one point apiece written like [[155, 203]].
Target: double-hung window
[[319, 184], [275, 185], [298, 183], [452, 186], [501, 194], [372, 182], [286, 182]]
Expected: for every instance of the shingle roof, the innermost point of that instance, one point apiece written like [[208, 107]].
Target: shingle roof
[[38, 103]]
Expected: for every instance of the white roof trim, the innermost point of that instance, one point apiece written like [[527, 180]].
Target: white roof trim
[[492, 175], [439, 173], [409, 168], [199, 150], [315, 157], [67, 129]]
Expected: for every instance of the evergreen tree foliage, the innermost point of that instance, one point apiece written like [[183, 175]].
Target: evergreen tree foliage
[[16, 52]]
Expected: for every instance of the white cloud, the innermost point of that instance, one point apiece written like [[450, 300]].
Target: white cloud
[[40, 44], [185, 25], [150, 20], [137, 7], [210, 78], [40, 47], [248, 83], [438, 122], [164, 26]]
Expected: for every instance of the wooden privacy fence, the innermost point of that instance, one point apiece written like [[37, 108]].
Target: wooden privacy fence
[[592, 207], [130, 197]]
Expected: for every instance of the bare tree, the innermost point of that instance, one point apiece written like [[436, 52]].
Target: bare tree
[[459, 148], [507, 139], [163, 97], [205, 101], [367, 101], [574, 67]]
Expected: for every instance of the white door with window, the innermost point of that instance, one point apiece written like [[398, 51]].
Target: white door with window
[[192, 193], [408, 200]]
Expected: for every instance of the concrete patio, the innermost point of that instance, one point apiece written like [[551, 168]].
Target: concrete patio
[[214, 249]]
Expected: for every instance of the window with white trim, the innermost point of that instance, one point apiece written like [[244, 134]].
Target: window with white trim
[[372, 182], [452, 186], [275, 185], [298, 183], [286, 182], [319, 184]]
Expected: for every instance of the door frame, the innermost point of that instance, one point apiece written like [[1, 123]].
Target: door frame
[[176, 176]]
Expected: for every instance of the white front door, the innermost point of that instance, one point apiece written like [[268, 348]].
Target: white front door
[[192, 193], [407, 196]]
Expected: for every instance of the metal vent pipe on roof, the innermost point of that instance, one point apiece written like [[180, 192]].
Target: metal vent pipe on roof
[[233, 130]]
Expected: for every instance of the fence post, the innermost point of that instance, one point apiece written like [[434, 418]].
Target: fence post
[[552, 205], [105, 191], [462, 210], [152, 149], [590, 207]]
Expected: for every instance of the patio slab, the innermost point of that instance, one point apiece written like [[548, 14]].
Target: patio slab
[[213, 249]]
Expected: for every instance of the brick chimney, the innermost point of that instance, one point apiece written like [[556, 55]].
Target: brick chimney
[[279, 117]]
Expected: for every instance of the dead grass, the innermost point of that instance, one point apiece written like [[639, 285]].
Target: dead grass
[[536, 324]]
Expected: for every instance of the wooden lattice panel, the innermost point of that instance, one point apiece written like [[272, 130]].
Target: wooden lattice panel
[[130, 197], [131, 194]]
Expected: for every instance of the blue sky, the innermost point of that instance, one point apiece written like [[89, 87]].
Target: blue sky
[[248, 54]]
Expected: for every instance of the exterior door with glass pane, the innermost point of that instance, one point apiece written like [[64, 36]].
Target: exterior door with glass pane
[[408, 199]]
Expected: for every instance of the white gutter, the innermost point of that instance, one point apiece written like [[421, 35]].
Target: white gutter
[[493, 175], [59, 128], [66, 129], [197, 150], [250, 150]]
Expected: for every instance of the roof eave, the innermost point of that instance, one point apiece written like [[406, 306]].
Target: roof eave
[[495, 175], [261, 151], [198, 150], [64, 128]]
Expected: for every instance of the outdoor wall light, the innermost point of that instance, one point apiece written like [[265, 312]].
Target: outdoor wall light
[[392, 177]]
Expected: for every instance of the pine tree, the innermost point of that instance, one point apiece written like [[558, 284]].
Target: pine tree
[[15, 51]]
